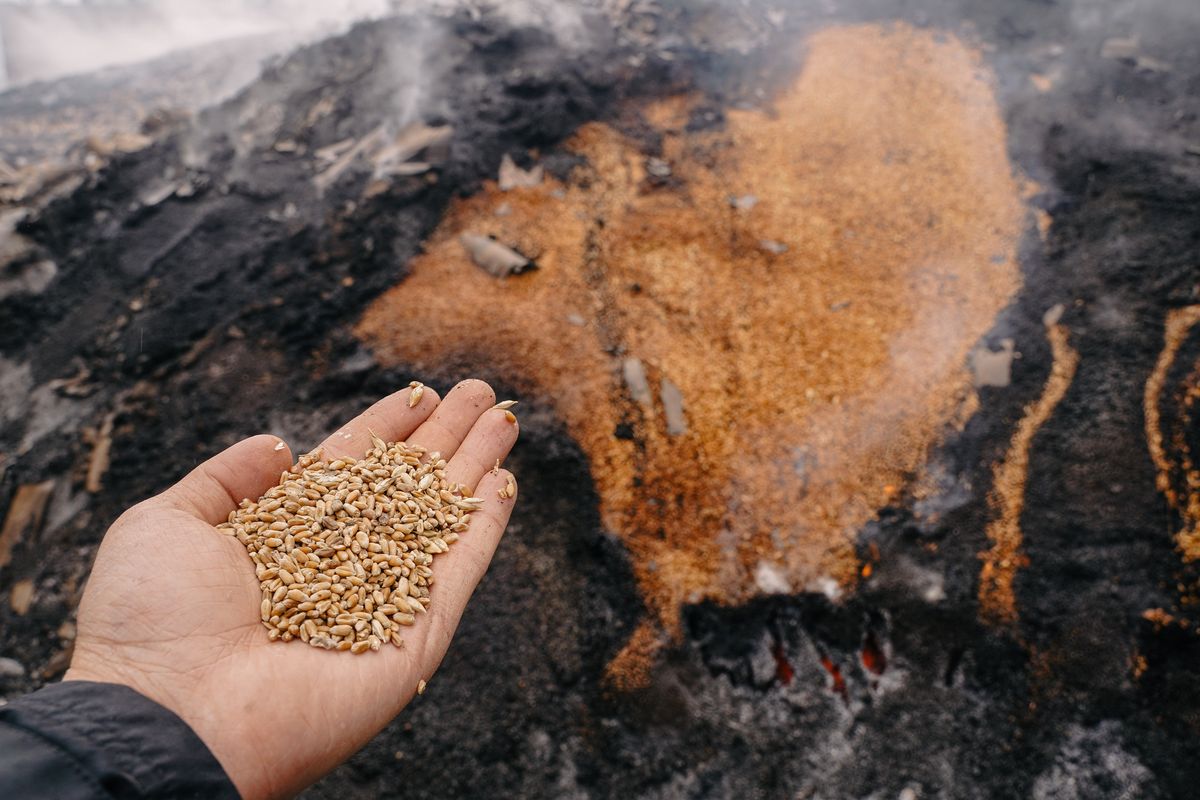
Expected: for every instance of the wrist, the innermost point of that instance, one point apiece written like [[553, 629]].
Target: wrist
[[94, 667]]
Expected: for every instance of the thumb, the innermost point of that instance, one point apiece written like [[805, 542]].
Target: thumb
[[245, 470]]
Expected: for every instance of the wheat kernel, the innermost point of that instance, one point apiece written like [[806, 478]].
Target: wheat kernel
[[343, 550]]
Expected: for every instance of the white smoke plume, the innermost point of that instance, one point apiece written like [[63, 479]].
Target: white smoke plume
[[43, 40]]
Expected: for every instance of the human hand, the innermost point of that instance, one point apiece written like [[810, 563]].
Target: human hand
[[172, 606]]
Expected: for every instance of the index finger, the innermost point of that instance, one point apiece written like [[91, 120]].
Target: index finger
[[392, 419]]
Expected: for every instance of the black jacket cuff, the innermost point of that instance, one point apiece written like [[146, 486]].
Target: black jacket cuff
[[80, 739]]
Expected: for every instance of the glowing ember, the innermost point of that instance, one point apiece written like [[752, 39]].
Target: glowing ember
[[784, 671], [874, 659], [757, 335], [837, 683]]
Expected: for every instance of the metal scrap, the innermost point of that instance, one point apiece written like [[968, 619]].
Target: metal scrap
[[495, 259]]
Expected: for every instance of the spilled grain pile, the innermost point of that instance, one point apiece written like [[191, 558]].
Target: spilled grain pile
[[757, 333]]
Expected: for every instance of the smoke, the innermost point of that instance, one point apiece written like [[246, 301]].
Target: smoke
[[565, 21], [44, 40], [417, 65], [41, 41], [420, 63]]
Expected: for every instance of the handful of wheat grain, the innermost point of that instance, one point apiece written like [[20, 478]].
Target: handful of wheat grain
[[343, 549]]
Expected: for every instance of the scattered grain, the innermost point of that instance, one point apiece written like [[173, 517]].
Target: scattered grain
[[997, 576], [507, 490], [414, 396], [1168, 435]]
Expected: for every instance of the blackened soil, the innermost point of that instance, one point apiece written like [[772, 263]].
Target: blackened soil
[[245, 290]]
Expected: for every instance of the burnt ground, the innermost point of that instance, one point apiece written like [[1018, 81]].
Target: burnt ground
[[224, 310], [43, 120]]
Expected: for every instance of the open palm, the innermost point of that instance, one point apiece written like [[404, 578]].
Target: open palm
[[172, 607]]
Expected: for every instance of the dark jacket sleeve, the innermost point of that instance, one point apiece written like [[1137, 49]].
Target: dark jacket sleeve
[[80, 739]]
